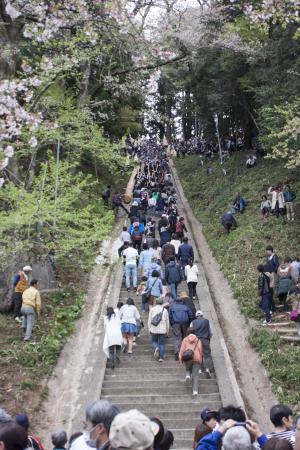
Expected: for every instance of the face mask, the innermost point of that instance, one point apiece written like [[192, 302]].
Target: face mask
[[87, 438]]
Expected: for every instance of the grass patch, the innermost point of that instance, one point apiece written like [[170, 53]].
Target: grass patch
[[239, 253], [25, 366], [283, 365]]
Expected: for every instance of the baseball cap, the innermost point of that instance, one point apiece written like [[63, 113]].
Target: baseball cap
[[199, 313], [207, 414], [132, 430], [27, 268], [22, 419]]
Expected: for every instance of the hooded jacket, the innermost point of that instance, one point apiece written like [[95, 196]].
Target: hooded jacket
[[173, 274], [192, 342]]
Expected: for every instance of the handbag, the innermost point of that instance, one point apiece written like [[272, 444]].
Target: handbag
[[157, 318], [148, 293], [295, 314], [188, 355]]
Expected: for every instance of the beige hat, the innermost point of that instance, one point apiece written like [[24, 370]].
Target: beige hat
[[132, 430], [184, 295], [27, 269]]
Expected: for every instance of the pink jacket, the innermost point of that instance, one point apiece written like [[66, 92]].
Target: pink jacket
[[190, 343]]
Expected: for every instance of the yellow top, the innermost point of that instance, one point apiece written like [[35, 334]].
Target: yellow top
[[31, 297]]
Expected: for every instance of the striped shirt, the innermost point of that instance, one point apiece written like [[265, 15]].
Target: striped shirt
[[288, 435]]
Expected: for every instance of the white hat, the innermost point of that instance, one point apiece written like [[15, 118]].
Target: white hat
[[132, 430], [27, 269], [199, 313]]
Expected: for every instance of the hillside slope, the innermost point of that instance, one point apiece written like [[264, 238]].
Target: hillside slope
[[239, 253]]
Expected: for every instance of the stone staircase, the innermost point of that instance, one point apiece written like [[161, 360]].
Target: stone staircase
[[285, 328], [159, 389]]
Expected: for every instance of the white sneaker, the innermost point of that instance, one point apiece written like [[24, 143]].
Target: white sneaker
[[187, 378], [266, 322], [195, 393]]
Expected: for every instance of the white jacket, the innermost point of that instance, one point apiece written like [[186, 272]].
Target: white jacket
[[191, 273], [129, 314], [163, 326], [113, 335]]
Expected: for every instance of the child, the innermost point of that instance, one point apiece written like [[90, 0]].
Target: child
[[265, 206], [141, 290]]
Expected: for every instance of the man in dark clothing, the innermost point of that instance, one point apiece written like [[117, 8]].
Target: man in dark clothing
[[173, 275], [228, 222], [201, 328], [106, 194], [189, 303], [167, 251], [272, 265], [180, 318], [185, 252], [264, 293]]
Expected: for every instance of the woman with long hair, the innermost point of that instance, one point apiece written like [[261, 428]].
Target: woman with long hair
[[112, 343]]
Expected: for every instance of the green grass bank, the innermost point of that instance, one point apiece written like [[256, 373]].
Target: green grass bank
[[239, 252]]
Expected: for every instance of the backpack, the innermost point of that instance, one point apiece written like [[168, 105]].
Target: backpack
[[117, 200], [157, 318], [137, 235], [35, 443], [179, 227]]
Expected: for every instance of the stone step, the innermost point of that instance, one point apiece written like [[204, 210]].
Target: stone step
[[144, 385], [183, 444], [285, 330], [167, 409], [280, 324], [150, 378], [205, 387], [186, 434], [295, 339], [153, 398]]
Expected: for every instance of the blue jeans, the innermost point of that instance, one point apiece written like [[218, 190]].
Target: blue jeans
[[265, 305], [131, 269], [173, 287], [159, 340], [28, 320]]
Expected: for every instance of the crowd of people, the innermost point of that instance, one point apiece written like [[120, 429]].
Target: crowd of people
[[279, 280], [158, 256], [106, 428]]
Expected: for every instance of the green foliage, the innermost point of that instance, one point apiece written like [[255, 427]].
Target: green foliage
[[40, 355], [74, 224], [282, 363], [282, 126], [239, 252]]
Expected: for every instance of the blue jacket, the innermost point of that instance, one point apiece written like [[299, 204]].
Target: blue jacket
[[185, 252], [155, 285], [180, 313], [154, 266], [141, 227], [228, 218], [289, 196], [211, 441], [165, 236], [173, 274]]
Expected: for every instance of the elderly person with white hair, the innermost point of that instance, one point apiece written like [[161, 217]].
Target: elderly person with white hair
[[98, 419], [59, 439]]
